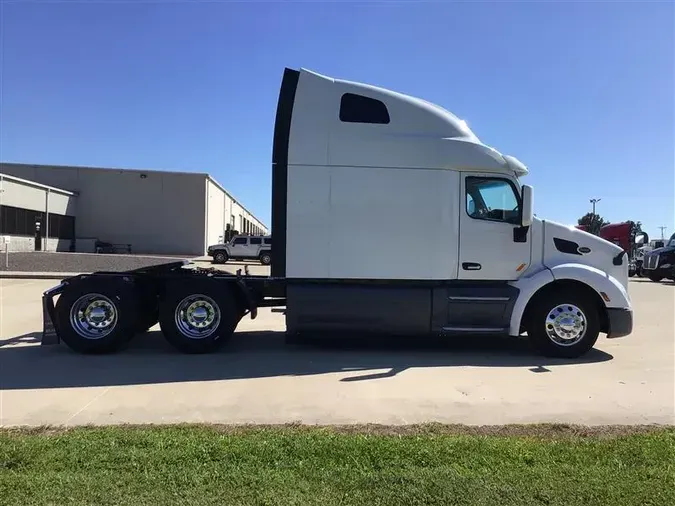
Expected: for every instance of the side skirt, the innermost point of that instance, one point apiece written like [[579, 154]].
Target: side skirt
[[399, 308], [473, 308]]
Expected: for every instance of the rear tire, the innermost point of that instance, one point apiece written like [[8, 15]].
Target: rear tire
[[220, 257], [198, 316], [265, 258], [564, 324], [98, 316], [655, 278]]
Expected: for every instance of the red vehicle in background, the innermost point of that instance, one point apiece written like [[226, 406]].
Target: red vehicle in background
[[624, 236]]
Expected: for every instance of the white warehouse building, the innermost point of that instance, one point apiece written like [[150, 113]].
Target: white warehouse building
[[141, 211]]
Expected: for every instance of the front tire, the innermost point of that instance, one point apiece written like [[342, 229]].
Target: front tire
[[220, 257], [98, 316], [655, 278], [198, 316], [265, 258], [564, 324]]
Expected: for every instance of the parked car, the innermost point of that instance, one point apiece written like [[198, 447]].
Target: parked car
[[243, 247]]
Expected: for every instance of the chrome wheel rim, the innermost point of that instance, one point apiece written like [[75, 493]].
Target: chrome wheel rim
[[197, 316], [93, 316], [566, 325]]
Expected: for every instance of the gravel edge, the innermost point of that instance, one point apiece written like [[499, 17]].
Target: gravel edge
[[539, 431]]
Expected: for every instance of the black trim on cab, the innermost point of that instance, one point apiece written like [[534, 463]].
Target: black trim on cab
[[565, 246], [282, 133], [618, 259]]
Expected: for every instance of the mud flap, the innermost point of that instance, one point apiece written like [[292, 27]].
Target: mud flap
[[50, 333], [252, 307]]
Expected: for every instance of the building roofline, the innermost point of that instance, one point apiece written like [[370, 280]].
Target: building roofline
[[88, 167], [234, 199], [28, 182], [155, 171]]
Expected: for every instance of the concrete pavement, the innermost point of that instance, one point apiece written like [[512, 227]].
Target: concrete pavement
[[258, 379]]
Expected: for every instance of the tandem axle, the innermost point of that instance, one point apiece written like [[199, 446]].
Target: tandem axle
[[103, 311]]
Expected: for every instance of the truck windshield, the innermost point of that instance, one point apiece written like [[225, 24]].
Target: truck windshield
[[671, 242]]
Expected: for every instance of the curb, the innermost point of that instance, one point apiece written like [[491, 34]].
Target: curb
[[37, 275]]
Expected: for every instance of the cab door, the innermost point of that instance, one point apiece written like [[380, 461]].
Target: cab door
[[255, 245], [239, 248], [493, 245]]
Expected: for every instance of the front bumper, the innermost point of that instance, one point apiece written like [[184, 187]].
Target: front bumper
[[665, 272], [620, 322]]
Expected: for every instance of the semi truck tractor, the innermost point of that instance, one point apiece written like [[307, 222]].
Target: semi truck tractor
[[625, 236], [659, 263], [353, 165]]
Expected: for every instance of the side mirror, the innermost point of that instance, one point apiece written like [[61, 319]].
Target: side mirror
[[528, 209], [640, 238]]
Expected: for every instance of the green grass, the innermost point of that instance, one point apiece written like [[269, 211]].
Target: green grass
[[428, 465]]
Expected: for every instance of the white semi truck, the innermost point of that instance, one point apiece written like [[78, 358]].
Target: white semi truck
[[389, 217]]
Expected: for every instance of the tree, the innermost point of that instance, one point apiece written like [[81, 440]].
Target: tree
[[592, 222], [636, 228]]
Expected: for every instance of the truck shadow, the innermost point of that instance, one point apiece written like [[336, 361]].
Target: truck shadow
[[150, 360], [647, 280]]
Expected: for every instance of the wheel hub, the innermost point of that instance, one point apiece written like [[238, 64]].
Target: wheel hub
[[93, 316], [566, 324], [197, 316]]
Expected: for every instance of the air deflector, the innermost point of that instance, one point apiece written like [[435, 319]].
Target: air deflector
[[282, 132]]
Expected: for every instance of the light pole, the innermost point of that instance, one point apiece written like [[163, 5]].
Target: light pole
[[662, 229], [594, 201]]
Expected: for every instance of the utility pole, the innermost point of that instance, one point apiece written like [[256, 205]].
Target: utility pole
[[662, 229], [594, 201]]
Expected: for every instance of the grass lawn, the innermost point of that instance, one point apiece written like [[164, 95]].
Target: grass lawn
[[428, 465]]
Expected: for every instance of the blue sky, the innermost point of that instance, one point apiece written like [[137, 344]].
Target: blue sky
[[581, 92]]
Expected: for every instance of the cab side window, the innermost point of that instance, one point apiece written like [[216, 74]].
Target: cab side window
[[256, 240], [240, 241], [492, 199]]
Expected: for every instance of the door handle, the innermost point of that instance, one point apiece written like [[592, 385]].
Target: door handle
[[471, 266]]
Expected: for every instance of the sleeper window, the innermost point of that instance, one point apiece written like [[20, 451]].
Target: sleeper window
[[360, 109]]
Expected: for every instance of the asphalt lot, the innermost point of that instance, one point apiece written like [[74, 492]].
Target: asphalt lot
[[259, 379]]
